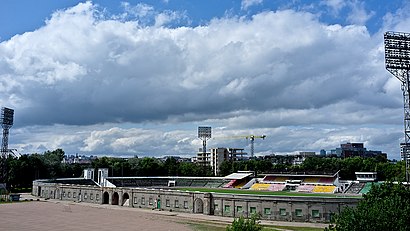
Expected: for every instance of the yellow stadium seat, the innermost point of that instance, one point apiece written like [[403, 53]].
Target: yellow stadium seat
[[323, 189], [260, 186]]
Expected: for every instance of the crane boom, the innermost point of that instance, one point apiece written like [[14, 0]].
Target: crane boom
[[248, 137]]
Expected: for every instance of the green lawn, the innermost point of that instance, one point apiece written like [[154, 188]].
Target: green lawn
[[209, 226], [254, 192]]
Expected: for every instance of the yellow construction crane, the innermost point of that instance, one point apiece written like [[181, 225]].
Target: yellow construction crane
[[248, 137]]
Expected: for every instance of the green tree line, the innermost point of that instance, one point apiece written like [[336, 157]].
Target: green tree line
[[386, 170], [22, 171]]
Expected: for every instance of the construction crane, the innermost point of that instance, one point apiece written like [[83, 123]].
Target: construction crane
[[248, 137], [252, 139]]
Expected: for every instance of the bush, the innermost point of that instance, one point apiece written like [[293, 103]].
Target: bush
[[385, 207], [242, 224]]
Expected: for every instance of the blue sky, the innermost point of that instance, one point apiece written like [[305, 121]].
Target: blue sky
[[17, 17], [138, 77]]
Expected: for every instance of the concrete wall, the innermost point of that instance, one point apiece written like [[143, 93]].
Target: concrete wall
[[67, 192], [304, 209]]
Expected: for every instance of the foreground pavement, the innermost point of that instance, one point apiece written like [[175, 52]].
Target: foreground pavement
[[66, 215]]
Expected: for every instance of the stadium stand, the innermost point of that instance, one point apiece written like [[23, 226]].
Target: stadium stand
[[355, 188], [324, 189], [305, 188], [276, 187], [230, 184], [326, 180], [281, 179], [183, 182], [311, 180], [260, 186], [159, 182], [214, 184], [241, 184], [249, 184], [199, 183], [269, 178], [367, 187]]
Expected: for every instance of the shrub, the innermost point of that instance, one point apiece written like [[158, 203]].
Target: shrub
[[242, 224]]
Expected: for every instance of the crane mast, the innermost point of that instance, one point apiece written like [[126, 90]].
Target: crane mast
[[252, 139]]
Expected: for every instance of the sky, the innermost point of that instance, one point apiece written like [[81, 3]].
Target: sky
[[126, 78]]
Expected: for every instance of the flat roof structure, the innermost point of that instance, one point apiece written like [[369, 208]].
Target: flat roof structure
[[237, 176]]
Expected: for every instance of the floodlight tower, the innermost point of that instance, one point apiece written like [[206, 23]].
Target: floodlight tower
[[204, 133], [7, 115], [397, 55]]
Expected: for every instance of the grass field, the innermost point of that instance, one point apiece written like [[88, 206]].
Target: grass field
[[210, 226], [271, 193]]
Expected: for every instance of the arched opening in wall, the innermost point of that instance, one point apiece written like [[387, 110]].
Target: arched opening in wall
[[198, 206], [115, 198], [39, 191], [57, 196], [106, 198], [125, 199]]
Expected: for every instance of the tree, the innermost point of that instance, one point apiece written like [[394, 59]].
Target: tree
[[242, 224], [148, 166], [171, 166], [385, 207]]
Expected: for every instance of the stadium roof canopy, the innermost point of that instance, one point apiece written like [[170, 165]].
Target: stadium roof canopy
[[237, 176]]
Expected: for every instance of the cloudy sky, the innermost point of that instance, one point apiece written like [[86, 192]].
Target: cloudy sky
[[138, 78]]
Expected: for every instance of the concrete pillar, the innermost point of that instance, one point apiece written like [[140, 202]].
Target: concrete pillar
[[208, 204]]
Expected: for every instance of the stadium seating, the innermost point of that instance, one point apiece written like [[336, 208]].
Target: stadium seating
[[311, 180], [269, 178], [199, 183], [183, 182], [214, 184], [240, 184], [355, 188], [323, 189], [249, 184], [326, 180], [276, 187], [305, 188], [159, 182], [281, 179], [230, 184], [367, 187], [260, 186]]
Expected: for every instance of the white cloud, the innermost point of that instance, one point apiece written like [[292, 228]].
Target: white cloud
[[335, 5], [245, 4], [276, 73], [359, 15]]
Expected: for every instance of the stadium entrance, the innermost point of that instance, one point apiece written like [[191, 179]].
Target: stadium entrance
[[106, 198], [115, 198], [199, 206]]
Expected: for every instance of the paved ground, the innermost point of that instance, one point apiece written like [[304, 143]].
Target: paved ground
[[63, 215], [44, 216]]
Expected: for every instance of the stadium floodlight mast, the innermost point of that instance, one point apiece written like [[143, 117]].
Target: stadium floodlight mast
[[397, 55], [7, 115], [204, 133]]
